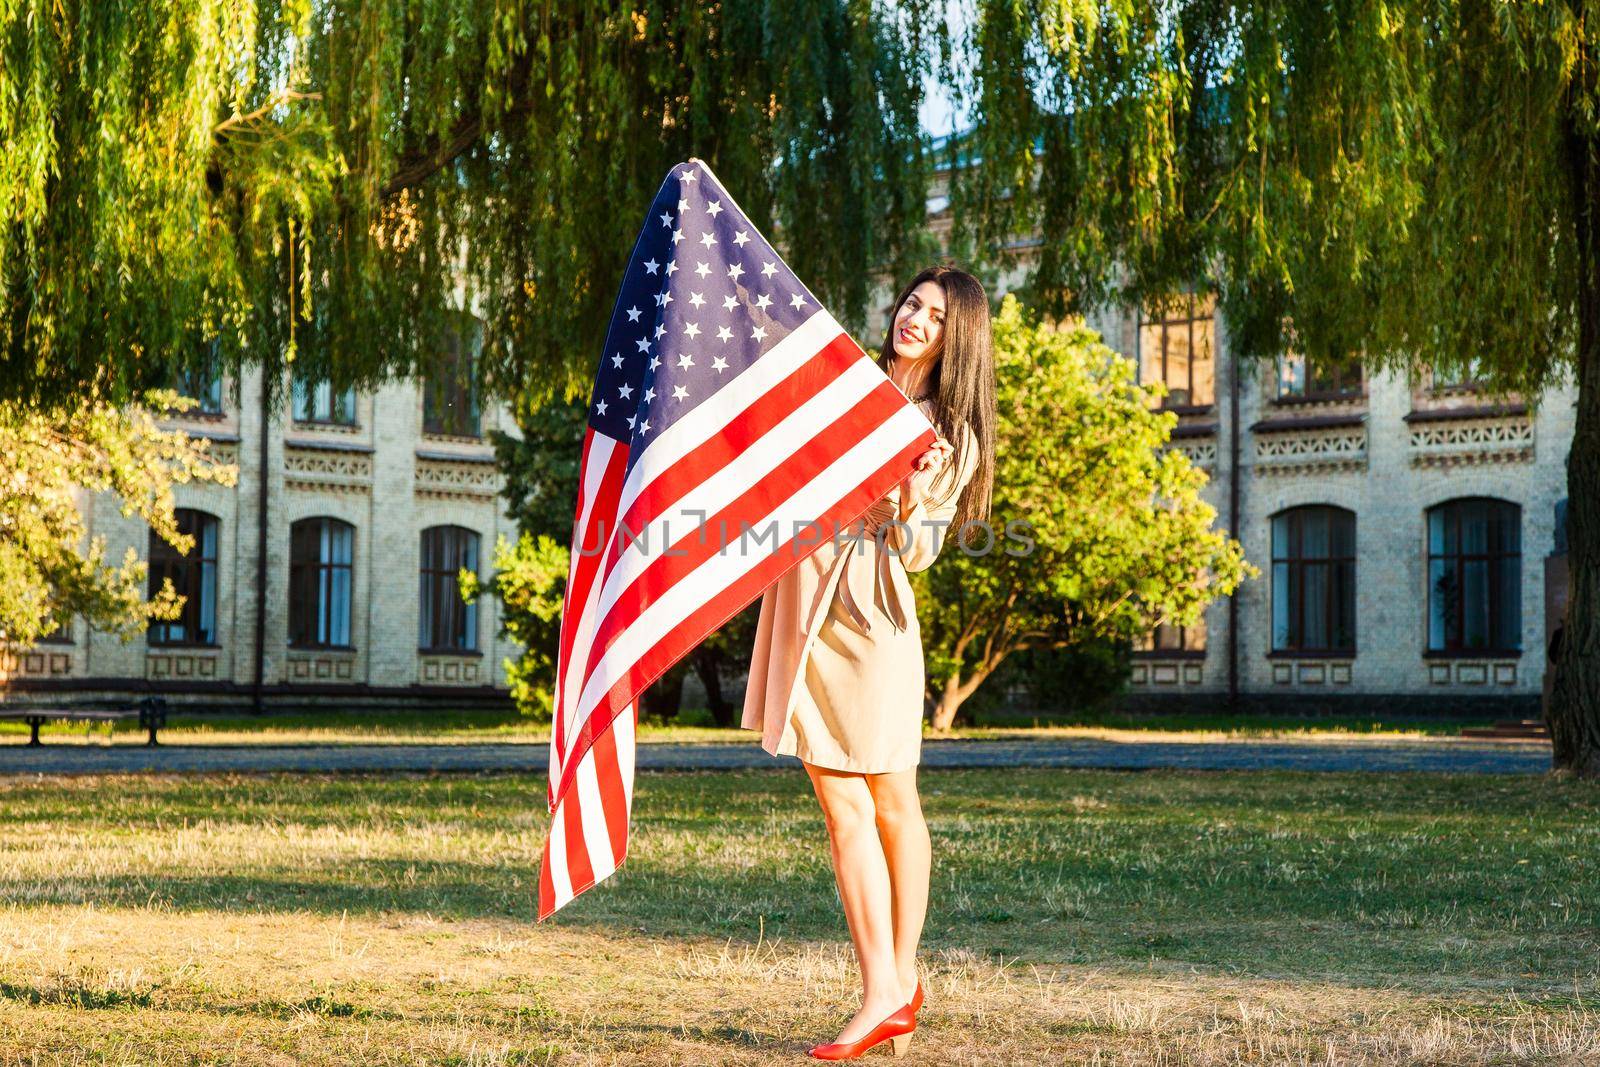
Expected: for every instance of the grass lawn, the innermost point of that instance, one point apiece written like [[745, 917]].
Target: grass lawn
[[1160, 917], [465, 726]]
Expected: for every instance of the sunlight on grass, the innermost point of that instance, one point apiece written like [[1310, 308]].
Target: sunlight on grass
[[1075, 916]]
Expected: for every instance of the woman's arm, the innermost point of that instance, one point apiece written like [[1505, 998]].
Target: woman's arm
[[927, 519]]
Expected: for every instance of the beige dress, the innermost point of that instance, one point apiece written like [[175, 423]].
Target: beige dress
[[836, 674]]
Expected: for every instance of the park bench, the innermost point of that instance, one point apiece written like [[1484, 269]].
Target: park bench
[[150, 711]]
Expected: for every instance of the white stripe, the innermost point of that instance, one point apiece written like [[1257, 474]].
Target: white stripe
[[592, 817], [623, 730], [560, 881], [721, 570]]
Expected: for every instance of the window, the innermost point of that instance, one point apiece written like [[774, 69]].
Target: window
[[448, 623], [194, 576], [450, 395], [1300, 378], [1176, 347], [1169, 638], [318, 402], [320, 582], [1466, 374], [1314, 580], [1475, 576], [202, 381], [62, 634]]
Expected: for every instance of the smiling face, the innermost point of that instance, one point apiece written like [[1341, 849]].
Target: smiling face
[[919, 322]]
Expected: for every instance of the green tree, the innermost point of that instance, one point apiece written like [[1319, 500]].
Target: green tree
[[328, 181], [50, 459], [1408, 181], [1105, 533]]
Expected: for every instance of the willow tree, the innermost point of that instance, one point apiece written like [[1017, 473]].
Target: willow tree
[[332, 181], [1404, 181]]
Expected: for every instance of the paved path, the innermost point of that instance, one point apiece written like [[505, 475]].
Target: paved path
[[1397, 755]]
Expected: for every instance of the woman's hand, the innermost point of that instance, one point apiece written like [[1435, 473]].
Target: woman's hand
[[919, 483]]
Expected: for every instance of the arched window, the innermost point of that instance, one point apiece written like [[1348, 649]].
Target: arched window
[[1314, 580], [194, 576], [320, 555], [448, 623], [1475, 576]]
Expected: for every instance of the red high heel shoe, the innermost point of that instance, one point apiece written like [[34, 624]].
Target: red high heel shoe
[[896, 1028], [916, 998]]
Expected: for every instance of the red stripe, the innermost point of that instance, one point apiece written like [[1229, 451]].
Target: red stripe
[[725, 604], [613, 800], [579, 870], [547, 885]]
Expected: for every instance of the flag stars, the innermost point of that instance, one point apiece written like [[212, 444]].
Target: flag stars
[[691, 329], [687, 174], [655, 361], [740, 238], [729, 303], [719, 364], [685, 361], [649, 394], [702, 270], [660, 331], [735, 271], [769, 270], [763, 302], [708, 239], [679, 393], [600, 408], [644, 345], [651, 266], [631, 420], [696, 299], [644, 427], [724, 334], [677, 235], [672, 268], [633, 314], [666, 220], [626, 391], [714, 209], [797, 302], [758, 334], [616, 361], [683, 205]]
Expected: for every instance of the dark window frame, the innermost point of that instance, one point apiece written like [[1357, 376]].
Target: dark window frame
[[1494, 562], [308, 389], [1190, 309], [451, 404], [1297, 565], [310, 580], [446, 623], [1191, 642], [187, 572], [1337, 370]]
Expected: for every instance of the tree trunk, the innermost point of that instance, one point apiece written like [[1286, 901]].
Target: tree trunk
[[663, 697], [1574, 711], [706, 662], [956, 692]]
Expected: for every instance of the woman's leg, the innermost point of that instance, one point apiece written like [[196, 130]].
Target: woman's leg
[[863, 877], [909, 851]]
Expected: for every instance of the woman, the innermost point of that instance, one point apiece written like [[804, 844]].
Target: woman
[[836, 677]]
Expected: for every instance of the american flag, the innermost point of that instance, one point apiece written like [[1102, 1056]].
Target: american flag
[[734, 425]]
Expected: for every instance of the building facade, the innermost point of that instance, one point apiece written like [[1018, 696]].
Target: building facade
[[327, 575]]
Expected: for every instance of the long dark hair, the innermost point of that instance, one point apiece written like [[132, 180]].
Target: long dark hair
[[961, 383]]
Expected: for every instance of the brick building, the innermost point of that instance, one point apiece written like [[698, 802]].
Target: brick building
[[352, 514]]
